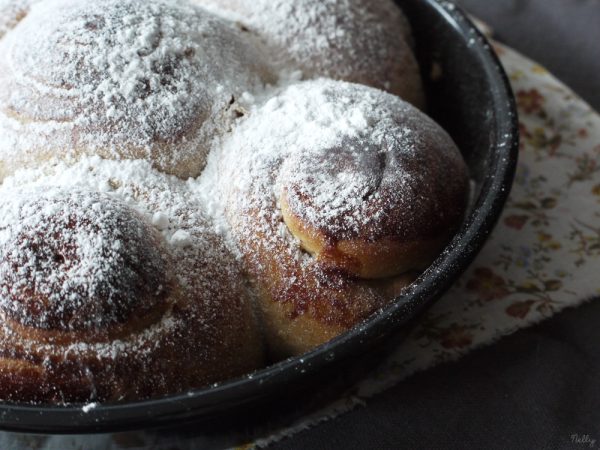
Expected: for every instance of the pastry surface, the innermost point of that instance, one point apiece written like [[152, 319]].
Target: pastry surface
[[113, 286], [362, 41], [123, 80], [182, 188], [329, 187]]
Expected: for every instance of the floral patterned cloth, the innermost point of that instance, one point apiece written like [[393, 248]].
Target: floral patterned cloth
[[543, 256]]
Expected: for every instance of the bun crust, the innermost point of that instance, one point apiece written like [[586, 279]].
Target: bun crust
[[185, 189], [122, 80], [97, 304], [361, 41], [323, 204]]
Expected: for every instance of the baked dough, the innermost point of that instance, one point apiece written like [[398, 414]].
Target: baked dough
[[151, 80], [363, 41], [332, 191], [113, 286], [180, 187]]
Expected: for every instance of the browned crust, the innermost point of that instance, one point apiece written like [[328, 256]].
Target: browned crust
[[304, 305], [385, 257], [187, 356], [191, 335]]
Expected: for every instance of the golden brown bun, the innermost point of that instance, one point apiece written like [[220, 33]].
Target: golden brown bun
[[303, 304], [408, 198], [365, 258], [361, 41], [359, 178], [153, 80], [96, 306]]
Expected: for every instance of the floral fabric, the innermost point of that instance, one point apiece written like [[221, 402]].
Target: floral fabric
[[543, 256]]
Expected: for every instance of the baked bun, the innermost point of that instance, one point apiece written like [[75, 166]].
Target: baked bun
[[361, 41], [121, 79], [102, 298], [332, 191]]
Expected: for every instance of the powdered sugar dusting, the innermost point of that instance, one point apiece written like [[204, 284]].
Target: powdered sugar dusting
[[76, 260], [362, 41], [11, 12], [198, 261], [164, 201], [89, 406], [111, 110], [123, 79], [348, 158]]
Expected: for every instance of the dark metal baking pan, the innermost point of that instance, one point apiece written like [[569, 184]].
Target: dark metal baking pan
[[470, 96]]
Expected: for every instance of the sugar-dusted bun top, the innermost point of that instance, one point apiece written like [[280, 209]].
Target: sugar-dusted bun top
[[362, 41], [390, 170], [121, 79], [77, 260], [347, 167]]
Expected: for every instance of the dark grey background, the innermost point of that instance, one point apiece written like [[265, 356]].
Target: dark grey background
[[537, 388], [563, 35]]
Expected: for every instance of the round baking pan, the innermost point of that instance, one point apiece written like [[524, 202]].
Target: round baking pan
[[468, 93]]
